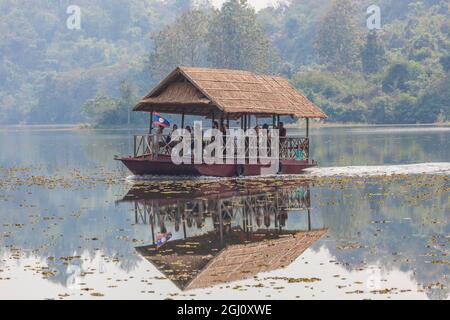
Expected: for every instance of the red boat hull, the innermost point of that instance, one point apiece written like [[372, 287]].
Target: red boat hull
[[145, 165]]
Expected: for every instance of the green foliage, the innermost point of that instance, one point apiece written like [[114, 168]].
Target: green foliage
[[180, 43], [104, 110], [236, 40], [401, 80], [338, 38], [373, 54], [445, 61], [398, 75], [49, 74]]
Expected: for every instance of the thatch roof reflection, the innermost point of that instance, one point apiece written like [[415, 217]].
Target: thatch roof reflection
[[204, 261]]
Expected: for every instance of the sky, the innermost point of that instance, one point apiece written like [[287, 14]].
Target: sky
[[257, 4]]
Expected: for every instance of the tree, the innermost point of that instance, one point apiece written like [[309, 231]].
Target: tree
[[372, 54], [236, 40], [445, 62], [105, 110], [338, 36], [397, 77], [181, 43]]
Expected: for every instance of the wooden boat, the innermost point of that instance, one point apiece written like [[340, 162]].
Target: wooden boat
[[225, 95]]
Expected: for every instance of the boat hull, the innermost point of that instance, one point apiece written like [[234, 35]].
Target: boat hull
[[146, 165]]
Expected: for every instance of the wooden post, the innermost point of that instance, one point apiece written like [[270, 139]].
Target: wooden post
[[278, 121], [309, 219], [182, 120], [152, 224], [151, 123], [212, 120], [307, 127], [273, 121]]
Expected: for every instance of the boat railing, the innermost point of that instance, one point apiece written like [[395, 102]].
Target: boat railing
[[154, 145], [294, 148]]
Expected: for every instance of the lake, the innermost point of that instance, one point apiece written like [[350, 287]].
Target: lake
[[74, 225]]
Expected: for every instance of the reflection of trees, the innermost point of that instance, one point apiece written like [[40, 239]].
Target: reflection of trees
[[376, 219], [63, 150], [59, 226], [347, 146], [69, 224], [367, 219]]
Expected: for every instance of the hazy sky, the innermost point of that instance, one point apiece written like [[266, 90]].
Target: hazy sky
[[258, 4]]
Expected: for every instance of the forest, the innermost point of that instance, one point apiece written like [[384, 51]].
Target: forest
[[51, 74]]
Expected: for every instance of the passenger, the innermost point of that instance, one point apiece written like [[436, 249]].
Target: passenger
[[169, 138], [266, 128], [215, 125], [283, 131], [189, 129], [161, 141], [160, 130], [224, 137]]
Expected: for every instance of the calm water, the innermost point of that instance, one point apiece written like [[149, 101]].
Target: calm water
[[74, 227]]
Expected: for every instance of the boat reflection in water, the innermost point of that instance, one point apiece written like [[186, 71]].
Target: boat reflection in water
[[224, 232]]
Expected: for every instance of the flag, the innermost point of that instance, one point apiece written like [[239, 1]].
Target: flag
[[158, 120], [162, 239]]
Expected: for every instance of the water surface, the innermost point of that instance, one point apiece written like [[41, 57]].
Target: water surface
[[74, 227]]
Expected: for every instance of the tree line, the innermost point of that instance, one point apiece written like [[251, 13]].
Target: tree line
[[398, 74]]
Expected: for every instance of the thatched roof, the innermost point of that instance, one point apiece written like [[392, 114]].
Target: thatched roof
[[202, 261], [204, 91]]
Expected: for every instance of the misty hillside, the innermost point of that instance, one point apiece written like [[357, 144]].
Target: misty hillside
[[51, 74]]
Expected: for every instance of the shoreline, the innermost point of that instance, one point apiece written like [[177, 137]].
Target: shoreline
[[317, 125], [363, 125]]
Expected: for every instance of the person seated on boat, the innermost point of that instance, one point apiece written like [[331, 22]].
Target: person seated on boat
[[160, 139], [169, 138], [283, 131], [160, 130], [189, 129], [266, 127], [215, 125], [224, 130], [282, 134], [257, 128]]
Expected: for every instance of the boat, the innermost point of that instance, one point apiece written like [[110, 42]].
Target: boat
[[227, 96]]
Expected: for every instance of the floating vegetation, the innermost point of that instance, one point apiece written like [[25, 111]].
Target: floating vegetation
[[72, 228]]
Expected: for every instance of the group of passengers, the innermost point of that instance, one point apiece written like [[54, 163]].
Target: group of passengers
[[164, 141]]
